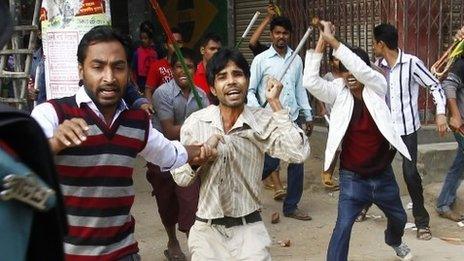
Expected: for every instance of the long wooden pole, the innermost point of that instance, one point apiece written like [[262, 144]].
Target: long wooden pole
[[167, 30]]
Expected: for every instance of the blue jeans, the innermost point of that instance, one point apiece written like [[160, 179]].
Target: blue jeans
[[453, 178], [295, 179], [355, 193]]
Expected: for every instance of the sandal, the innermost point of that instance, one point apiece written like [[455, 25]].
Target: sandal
[[171, 257], [424, 233], [280, 194], [327, 181], [451, 216]]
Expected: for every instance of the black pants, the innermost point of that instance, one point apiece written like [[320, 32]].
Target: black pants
[[414, 182]]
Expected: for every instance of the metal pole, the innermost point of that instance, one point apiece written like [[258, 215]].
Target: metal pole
[[294, 54], [247, 30]]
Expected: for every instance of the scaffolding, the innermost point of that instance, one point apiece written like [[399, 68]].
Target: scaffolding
[[21, 56]]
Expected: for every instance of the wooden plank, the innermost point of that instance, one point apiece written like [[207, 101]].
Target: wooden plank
[[14, 75], [17, 51], [23, 28], [12, 100]]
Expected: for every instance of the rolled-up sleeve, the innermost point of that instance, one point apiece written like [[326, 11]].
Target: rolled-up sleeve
[[283, 139], [184, 176], [163, 152], [451, 85], [454, 80]]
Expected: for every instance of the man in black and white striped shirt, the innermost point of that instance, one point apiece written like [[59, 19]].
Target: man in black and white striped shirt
[[405, 73]]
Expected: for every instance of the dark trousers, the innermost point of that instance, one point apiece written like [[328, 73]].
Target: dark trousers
[[453, 179], [295, 179], [176, 205], [414, 182], [131, 257], [357, 192]]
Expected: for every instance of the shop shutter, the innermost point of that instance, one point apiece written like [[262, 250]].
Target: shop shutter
[[244, 11]]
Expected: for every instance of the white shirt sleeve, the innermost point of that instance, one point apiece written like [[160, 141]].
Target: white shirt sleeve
[[163, 152], [47, 118]]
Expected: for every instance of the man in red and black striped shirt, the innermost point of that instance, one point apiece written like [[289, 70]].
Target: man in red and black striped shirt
[[96, 139]]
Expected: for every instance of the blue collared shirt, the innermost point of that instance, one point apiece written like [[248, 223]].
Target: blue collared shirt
[[293, 96]]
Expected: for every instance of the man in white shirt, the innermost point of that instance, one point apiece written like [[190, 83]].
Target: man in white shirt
[[405, 73], [361, 123]]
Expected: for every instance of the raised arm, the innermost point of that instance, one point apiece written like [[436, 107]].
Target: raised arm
[[323, 90], [281, 138], [360, 70], [254, 40]]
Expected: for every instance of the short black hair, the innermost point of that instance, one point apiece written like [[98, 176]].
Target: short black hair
[[331, 56], [219, 61], [388, 34], [361, 54], [281, 21], [211, 36], [102, 33], [187, 53]]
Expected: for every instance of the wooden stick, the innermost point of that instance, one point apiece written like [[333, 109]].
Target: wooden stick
[[164, 23]]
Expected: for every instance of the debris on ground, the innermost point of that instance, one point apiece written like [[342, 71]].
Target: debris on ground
[[275, 218], [452, 240], [409, 206], [373, 216], [284, 243], [410, 226]]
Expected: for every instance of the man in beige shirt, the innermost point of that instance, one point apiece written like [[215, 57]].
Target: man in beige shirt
[[228, 225]]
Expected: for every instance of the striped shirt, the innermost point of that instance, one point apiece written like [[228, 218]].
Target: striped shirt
[[231, 184], [404, 79], [96, 177]]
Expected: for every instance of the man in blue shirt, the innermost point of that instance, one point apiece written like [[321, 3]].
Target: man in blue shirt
[[294, 97]]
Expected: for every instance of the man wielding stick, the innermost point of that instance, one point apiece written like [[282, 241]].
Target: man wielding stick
[[362, 123]]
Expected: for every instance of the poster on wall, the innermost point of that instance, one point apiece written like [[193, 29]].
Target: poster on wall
[[64, 23]]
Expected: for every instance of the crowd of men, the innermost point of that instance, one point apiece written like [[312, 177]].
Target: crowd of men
[[209, 147]]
